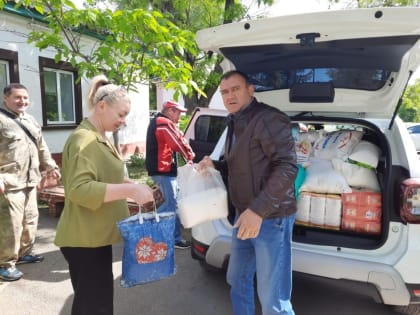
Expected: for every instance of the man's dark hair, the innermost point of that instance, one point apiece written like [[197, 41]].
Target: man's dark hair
[[8, 88], [231, 73]]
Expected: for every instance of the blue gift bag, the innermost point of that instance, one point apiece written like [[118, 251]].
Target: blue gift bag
[[148, 253]]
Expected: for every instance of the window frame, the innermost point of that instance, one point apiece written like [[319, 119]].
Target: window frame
[[51, 65], [212, 128], [11, 58]]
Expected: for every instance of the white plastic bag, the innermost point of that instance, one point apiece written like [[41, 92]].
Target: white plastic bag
[[202, 195]]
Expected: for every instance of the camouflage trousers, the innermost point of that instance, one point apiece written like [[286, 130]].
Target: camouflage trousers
[[18, 224]]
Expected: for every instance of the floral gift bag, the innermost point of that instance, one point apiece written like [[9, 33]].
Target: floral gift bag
[[148, 253]]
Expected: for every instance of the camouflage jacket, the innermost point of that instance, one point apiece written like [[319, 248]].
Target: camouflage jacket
[[21, 161]]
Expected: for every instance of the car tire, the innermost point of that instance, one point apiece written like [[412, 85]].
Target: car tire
[[209, 268], [407, 309]]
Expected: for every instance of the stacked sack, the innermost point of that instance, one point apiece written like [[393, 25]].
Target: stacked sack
[[339, 167]]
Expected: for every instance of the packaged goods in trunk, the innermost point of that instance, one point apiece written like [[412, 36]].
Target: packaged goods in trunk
[[303, 208], [319, 210], [361, 226], [362, 197], [366, 213], [341, 190]]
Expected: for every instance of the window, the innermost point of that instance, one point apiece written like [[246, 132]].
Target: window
[[359, 63], [364, 79], [414, 129], [4, 74], [209, 128], [8, 68], [61, 95]]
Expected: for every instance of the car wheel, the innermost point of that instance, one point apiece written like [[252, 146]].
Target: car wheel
[[208, 267], [407, 309]]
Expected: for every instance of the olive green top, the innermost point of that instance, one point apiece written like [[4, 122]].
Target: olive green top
[[89, 163]]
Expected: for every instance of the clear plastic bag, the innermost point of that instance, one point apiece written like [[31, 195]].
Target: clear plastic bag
[[202, 195]]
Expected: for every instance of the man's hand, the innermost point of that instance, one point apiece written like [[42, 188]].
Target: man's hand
[[205, 162], [50, 179], [249, 224], [55, 174]]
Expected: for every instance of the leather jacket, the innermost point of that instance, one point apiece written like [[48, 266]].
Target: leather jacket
[[261, 164]]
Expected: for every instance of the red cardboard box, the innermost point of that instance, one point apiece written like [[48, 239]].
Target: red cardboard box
[[366, 213], [361, 226], [362, 197]]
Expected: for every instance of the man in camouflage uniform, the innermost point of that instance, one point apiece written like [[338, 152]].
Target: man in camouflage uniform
[[23, 155]]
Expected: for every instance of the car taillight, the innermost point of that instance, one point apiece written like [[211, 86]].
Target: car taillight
[[199, 248], [410, 200]]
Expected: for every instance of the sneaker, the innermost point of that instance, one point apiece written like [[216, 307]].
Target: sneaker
[[183, 244], [28, 259], [10, 274]]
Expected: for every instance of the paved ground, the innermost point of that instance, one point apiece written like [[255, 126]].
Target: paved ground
[[46, 288]]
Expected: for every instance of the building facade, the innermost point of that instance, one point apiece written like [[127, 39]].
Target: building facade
[[58, 101]]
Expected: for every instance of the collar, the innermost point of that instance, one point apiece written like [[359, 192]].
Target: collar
[[12, 112], [243, 110], [86, 124]]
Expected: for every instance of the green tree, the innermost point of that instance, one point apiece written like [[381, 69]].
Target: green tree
[[410, 107], [195, 15], [377, 3], [132, 46]]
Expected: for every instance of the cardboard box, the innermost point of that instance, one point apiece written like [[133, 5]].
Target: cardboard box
[[362, 197], [361, 226], [366, 213]]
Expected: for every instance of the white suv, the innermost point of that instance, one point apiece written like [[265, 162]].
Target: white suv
[[337, 72]]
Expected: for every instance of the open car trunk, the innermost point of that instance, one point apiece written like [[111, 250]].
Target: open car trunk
[[350, 192], [342, 200]]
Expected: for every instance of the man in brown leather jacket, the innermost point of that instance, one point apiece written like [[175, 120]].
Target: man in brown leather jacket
[[23, 154], [260, 161]]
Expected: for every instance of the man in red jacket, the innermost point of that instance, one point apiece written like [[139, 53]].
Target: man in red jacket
[[164, 140]]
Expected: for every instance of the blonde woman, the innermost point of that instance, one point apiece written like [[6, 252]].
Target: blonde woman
[[96, 192]]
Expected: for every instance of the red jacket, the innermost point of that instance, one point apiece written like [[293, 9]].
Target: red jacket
[[163, 141]]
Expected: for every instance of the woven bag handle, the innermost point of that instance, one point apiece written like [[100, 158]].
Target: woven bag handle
[[154, 210]]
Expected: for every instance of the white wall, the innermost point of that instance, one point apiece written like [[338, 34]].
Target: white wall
[[138, 119], [163, 95], [13, 35]]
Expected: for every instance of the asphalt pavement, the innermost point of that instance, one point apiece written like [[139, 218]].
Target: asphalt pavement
[[46, 288]]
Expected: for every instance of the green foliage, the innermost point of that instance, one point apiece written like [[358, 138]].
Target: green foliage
[[410, 108], [131, 46], [137, 161], [136, 168], [385, 3], [195, 15], [183, 122]]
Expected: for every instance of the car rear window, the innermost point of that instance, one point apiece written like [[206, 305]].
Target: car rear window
[[361, 79], [361, 63]]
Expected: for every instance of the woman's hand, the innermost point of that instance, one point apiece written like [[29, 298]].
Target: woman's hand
[[142, 194]]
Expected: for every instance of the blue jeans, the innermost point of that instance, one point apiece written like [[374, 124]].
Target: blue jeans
[[269, 256], [169, 186]]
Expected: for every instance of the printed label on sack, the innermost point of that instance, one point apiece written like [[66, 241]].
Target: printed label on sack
[[148, 251]]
